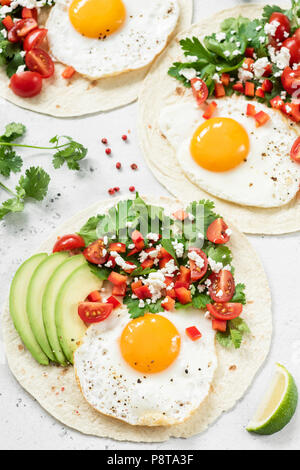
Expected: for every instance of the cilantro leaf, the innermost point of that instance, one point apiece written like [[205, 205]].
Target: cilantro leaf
[[14, 204], [88, 231], [167, 245], [236, 337], [220, 254], [34, 184], [236, 328], [9, 161], [239, 294], [224, 339], [13, 131], [135, 311], [71, 153], [14, 64], [102, 273], [240, 325], [200, 300]]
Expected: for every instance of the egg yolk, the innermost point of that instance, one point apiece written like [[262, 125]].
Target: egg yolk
[[220, 144], [97, 18], [150, 343]]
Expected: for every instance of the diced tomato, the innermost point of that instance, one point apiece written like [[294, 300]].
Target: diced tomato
[[268, 70], [68, 242], [29, 13], [261, 118], [8, 22], [23, 27], [193, 333], [200, 90], [184, 275], [117, 279], [225, 79], [277, 102], [38, 60], [115, 303], [292, 110], [219, 90], [217, 232], [95, 296], [260, 93], [226, 311], [164, 261], [267, 85], [290, 80], [135, 285], [34, 39], [68, 72], [168, 303], [222, 286], [118, 247], [239, 87], [170, 292], [295, 151], [94, 312], [248, 64], [197, 272], [219, 325], [210, 109], [5, 3], [249, 89], [181, 284], [180, 214], [132, 252], [96, 253], [142, 292], [120, 290], [249, 52], [129, 269], [138, 240], [251, 111], [183, 295], [148, 263]]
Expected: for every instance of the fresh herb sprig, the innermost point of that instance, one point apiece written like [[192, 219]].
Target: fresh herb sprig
[[67, 150], [34, 184]]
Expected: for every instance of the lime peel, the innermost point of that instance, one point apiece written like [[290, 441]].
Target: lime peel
[[278, 405]]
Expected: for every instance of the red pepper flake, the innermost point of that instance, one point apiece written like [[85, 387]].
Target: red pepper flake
[[104, 141], [124, 137], [111, 191], [117, 189], [108, 151], [133, 166], [131, 188], [118, 165]]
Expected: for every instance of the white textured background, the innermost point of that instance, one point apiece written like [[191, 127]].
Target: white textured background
[[23, 424]]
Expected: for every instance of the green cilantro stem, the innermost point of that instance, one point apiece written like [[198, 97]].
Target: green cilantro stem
[[7, 189], [11, 144]]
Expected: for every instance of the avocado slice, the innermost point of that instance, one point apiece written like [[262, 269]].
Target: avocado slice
[[70, 327], [61, 273], [35, 293], [17, 306]]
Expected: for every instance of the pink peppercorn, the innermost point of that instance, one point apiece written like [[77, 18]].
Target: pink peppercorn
[[118, 165], [108, 151], [124, 137], [132, 189], [133, 166], [104, 141]]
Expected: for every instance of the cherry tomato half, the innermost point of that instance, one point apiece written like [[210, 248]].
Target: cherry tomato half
[[282, 29], [216, 232], [96, 253], [37, 60], [290, 80], [222, 286], [23, 27], [26, 84], [68, 242], [94, 312], [226, 311], [34, 38], [295, 152], [200, 90], [293, 45], [12, 35], [196, 272]]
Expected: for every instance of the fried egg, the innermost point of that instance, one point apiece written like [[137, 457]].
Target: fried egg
[[100, 38], [229, 157], [146, 371]]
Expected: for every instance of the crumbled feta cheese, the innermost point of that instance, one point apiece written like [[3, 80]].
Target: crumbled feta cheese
[[197, 85], [226, 53], [236, 52], [270, 28], [143, 256], [4, 32], [131, 246], [296, 66], [199, 261], [191, 217], [262, 39], [219, 293], [170, 268], [121, 262], [207, 282], [288, 109], [21, 69], [215, 266], [283, 95], [216, 78], [201, 288], [244, 75], [153, 236], [228, 232], [141, 303], [281, 58], [220, 36], [105, 240], [179, 248], [258, 28], [155, 283], [207, 315], [259, 66], [109, 264], [188, 73]]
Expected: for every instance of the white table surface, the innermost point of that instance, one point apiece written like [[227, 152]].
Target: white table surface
[[23, 423]]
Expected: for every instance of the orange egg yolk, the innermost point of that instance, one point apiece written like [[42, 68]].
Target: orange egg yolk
[[150, 343], [97, 18], [220, 144]]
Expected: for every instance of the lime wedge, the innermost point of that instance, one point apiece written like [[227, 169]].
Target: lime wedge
[[278, 406]]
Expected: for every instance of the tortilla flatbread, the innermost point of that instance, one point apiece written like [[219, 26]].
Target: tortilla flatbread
[[235, 373], [160, 90], [80, 96]]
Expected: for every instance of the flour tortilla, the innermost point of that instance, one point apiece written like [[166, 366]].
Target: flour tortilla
[[235, 372], [160, 90], [80, 96]]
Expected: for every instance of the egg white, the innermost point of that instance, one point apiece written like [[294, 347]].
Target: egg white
[[268, 178], [142, 37], [115, 389]]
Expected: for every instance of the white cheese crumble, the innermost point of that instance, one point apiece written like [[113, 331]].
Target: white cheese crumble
[[188, 73], [153, 236], [270, 28], [259, 66], [121, 262], [281, 58], [244, 75], [155, 283], [199, 261], [170, 268], [220, 36], [179, 248]]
